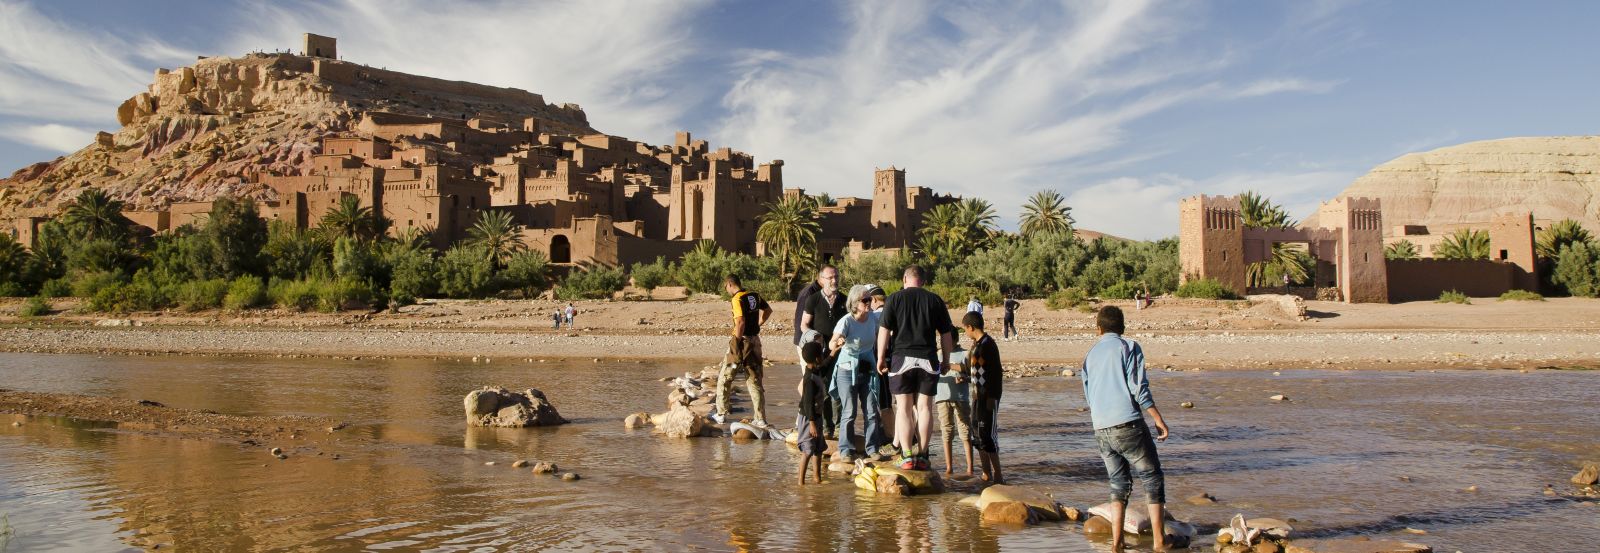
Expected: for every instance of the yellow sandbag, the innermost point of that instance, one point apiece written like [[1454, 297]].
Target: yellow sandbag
[[867, 479]]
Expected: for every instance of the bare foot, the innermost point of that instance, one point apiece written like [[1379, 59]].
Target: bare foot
[[948, 470]]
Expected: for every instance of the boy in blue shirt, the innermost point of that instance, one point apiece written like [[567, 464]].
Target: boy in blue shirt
[[1117, 390]]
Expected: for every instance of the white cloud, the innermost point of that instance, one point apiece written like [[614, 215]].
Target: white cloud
[[52, 71], [622, 61], [1148, 208], [980, 102], [50, 136]]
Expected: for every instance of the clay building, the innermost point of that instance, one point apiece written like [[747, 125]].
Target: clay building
[[1348, 251]]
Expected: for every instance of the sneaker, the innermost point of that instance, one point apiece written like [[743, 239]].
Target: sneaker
[[719, 418], [921, 462], [909, 463]]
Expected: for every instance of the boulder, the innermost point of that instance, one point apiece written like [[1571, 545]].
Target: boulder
[[1097, 525], [1266, 546], [500, 407], [1588, 476], [544, 468], [681, 422], [922, 482], [636, 420], [1048, 509], [841, 467], [1009, 512], [891, 484]]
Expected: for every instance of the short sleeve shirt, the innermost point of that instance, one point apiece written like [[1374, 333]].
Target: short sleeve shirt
[[917, 317], [749, 305], [800, 302], [1011, 307], [825, 314]]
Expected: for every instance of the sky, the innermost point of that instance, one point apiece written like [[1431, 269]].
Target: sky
[[1123, 106]]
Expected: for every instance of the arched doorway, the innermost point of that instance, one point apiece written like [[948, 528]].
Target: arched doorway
[[560, 249]]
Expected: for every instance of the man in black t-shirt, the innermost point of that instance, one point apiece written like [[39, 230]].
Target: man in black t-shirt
[[821, 312], [750, 311], [917, 322], [1011, 306]]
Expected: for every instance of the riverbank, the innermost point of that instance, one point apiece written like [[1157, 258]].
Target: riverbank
[[1177, 334]]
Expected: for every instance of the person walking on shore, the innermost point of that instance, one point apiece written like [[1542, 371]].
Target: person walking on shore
[[572, 315], [557, 316], [917, 322], [750, 311], [823, 311], [974, 306], [1117, 389], [1010, 307]]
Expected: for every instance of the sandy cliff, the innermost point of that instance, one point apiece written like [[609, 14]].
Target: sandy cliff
[[1554, 177], [212, 128]]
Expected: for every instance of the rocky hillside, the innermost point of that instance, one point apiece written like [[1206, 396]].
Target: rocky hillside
[[1554, 177], [211, 128]]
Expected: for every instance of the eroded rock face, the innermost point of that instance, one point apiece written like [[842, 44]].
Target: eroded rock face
[[1554, 177], [500, 407]]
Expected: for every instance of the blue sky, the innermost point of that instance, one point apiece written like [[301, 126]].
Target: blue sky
[[1124, 106]]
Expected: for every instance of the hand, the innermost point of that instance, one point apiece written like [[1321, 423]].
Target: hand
[[883, 367], [1161, 430]]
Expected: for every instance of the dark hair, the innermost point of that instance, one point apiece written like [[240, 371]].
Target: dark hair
[[811, 353], [876, 291], [825, 267], [1109, 319], [915, 271], [972, 319], [732, 279]]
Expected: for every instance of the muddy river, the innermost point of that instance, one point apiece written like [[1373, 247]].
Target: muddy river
[[1350, 454]]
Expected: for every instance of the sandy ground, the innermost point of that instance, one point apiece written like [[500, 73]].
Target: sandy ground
[[1177, 334], [297, 433]]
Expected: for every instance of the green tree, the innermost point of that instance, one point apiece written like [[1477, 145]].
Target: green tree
[[1256, 211], [701, 270], [1464, 244], [789, 229], [294, 254], [1403, 249], [650, 276], [95, 216], [14, 262], [528, 271], [465, 271], [413, 274], [1259, 212], [353, 220], [1566, 231], [591, 283], [1576, 269], [1046, 212], [823, 200], [235, 234], [498, 235]]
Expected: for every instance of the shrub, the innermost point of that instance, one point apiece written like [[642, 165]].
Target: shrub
[[56, 288], [34, 307], [344, 293], [528, 271], [1123, 290], [592, 283], [292, 253], [650, 276], [1066, 298], [1452, 296], [196, 295], [957, 296], [244, 292], [412, 276], [1575, 270], [234, 237], [124, 298], [1206, 288], [465, 272], [354, 259], [299, 295], [1521, 295], [86, 285]]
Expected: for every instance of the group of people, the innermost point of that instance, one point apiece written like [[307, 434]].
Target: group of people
[[568, 314], [859, 344]]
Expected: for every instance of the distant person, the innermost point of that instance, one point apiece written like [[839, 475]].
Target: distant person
[[750, 311], [917, 323], [1117, 388], [1010, 329], [557, 316], [987, 379], [973, 305], [855, 338], [823, 310], [813, 386], [953, 402], [572, 315]]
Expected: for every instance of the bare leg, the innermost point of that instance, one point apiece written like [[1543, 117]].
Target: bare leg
[[1116, 525], [993, 461], [949, 462], [904, 417], [805, 463], [924, 414], [1158, 527], [969, 459]]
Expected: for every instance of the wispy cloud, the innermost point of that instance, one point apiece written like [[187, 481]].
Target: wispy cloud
[[988, 103], [1147, 208], [50, 136], [622, 61]]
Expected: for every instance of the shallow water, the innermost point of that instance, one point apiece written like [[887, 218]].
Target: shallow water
[[1332, 458]]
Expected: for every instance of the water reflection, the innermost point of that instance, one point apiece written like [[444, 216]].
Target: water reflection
[[1331, 458]]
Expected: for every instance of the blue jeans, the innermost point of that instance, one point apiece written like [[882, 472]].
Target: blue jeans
[[858, 389], [1129, 446]]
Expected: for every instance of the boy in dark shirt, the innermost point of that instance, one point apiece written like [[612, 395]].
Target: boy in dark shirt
[[987, 377], [813, 389]]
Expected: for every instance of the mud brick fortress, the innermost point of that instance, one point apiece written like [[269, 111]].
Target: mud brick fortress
[[1349, 253], [581, 196]]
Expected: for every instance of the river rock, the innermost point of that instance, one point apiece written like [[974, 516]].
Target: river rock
[[841, 467], [1009, 512], [1201, 499], [921, 481], [681, 422], [519, 463], [1588, 476], [1267, 546], [500, 407], [1048, 509], [891, 484], [1097, 525], [636, 420], [570, 476], [544, 468]]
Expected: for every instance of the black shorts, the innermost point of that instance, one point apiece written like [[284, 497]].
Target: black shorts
[[914, 381], [985, 434]]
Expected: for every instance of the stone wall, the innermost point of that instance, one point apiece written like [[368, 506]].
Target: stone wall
[[1425, 279]]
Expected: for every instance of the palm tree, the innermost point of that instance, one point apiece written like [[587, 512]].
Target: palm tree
[[1567, 231], [354, 220], [789, 229], [501, 237], [13, 259], [94, 215], [1259, 212], [1464, 244], [823, 200], [1256, 211], [1047, 212], [1403, 249], [942, 234]]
